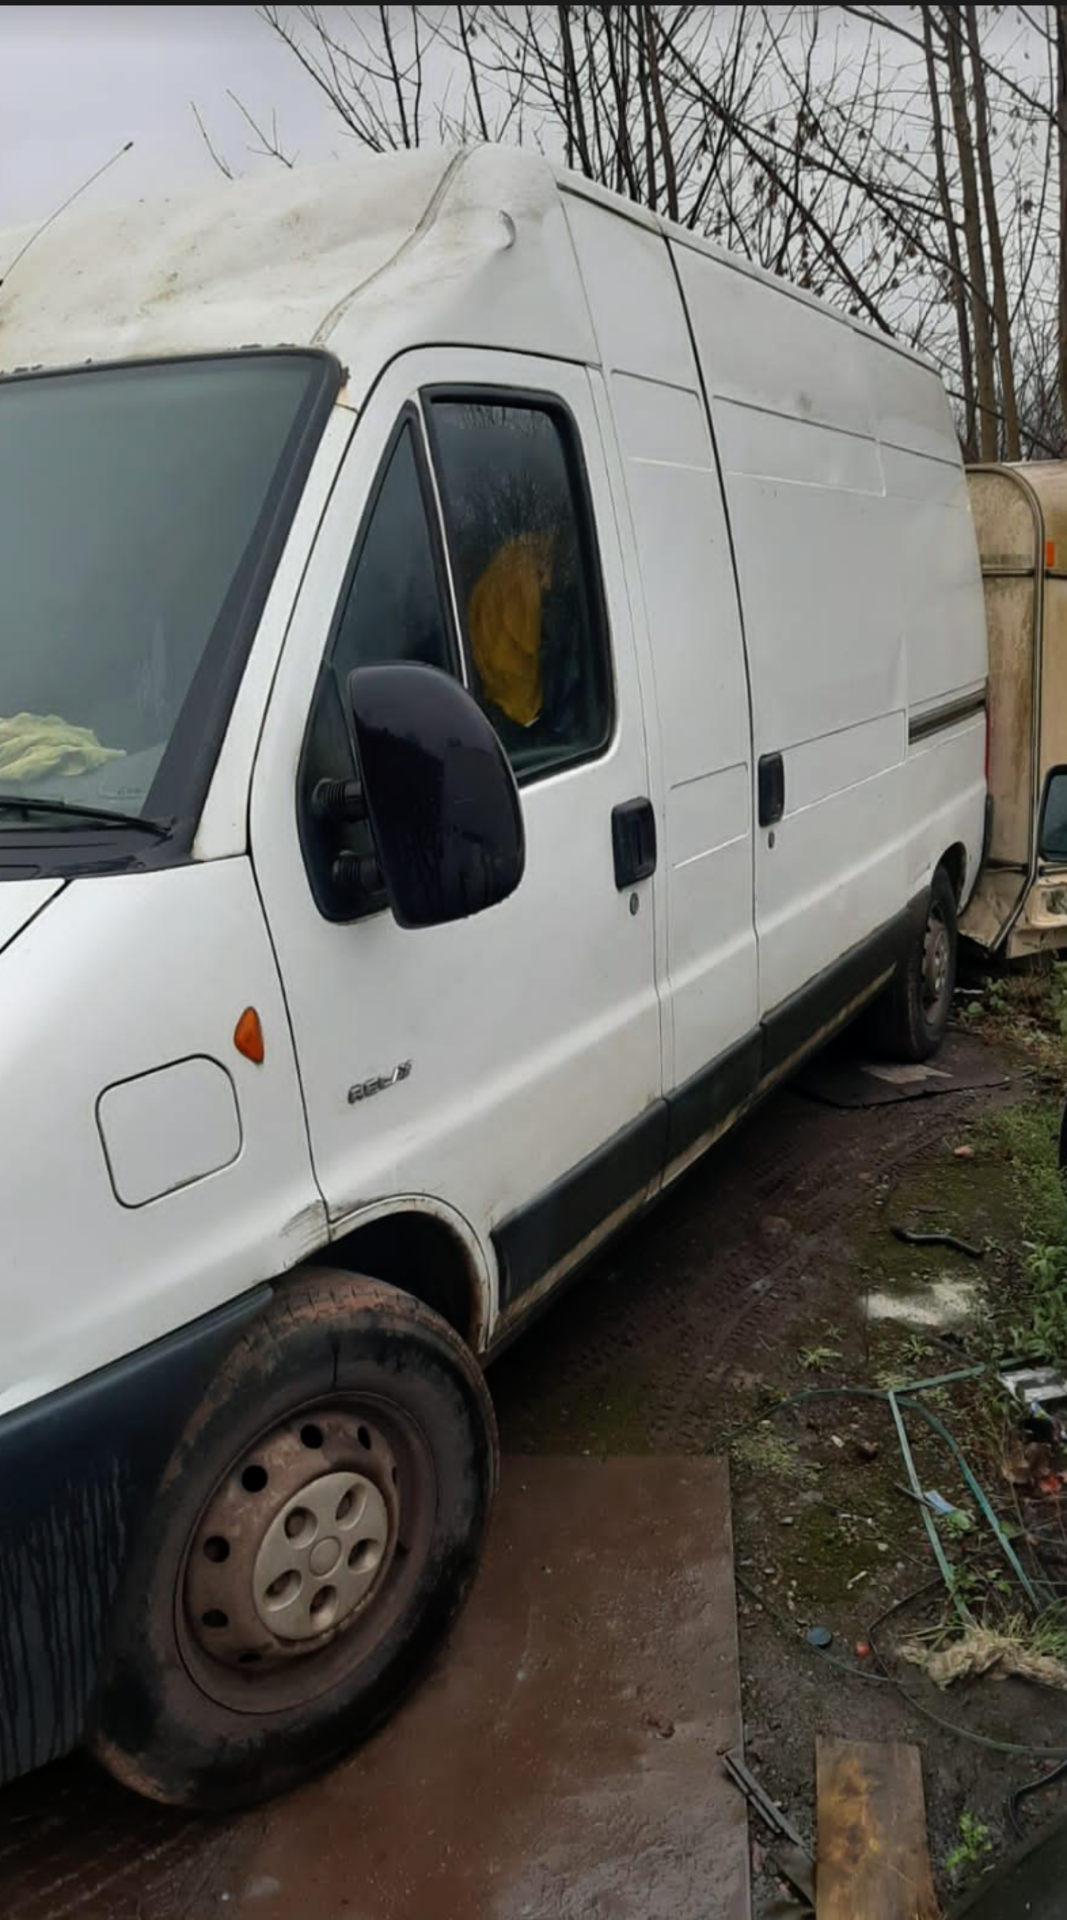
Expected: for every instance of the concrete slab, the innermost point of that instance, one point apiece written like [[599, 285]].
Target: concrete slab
[[564, 1758]]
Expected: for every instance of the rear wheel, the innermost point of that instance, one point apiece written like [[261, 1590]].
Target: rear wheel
[[315, 1533], [912, 1016]]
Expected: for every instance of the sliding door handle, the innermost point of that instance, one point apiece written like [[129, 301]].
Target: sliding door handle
[[771, 789], [633, 840]]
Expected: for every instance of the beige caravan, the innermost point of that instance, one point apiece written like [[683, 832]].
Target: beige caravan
[[1019, 906]]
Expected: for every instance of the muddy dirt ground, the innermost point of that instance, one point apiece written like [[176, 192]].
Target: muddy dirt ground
[[752, 1282], [755, 1282]]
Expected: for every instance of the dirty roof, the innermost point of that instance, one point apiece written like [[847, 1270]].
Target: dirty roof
[[362, 257], [414, 241]]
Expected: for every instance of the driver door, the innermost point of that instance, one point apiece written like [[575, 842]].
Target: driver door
[[506, 1067]]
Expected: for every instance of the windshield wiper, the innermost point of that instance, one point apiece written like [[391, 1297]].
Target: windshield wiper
[[104, 816]]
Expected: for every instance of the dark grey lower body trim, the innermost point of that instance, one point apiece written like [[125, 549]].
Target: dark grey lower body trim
[[948, 715], [798, 1021], [77, 1469], [704, 1102], [538, 1237], [529, 1243]]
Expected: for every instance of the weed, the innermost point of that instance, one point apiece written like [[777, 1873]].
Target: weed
[[996, 994], [974, 1846], [763, 1451], [1057, 996], [1047, 1635], [815, 1359], [890, 1379], [956, 1522]]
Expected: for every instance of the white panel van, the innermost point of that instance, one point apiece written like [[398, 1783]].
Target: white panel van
[[490, 682]]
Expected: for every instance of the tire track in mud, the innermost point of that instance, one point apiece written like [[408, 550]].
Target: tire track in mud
[[754, 1237]]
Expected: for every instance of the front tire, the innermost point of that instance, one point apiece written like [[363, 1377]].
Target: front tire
[[315, 1533], [913, 1015]]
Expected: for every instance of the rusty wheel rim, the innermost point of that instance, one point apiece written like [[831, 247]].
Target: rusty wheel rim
[[305, 1554], [937, 963]]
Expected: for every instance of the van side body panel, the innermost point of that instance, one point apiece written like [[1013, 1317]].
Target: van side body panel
[[861, 607], [694, 676]]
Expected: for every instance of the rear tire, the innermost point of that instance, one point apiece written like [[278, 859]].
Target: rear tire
[[315, 1533], [911, 1018]]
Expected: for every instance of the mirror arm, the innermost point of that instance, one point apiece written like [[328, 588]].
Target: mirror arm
[[339, 800]]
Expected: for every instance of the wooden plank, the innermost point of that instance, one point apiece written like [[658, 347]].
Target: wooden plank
[[872, 1861]]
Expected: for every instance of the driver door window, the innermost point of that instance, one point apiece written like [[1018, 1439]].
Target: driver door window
[[526, 572], [527, 582], [395, 607]]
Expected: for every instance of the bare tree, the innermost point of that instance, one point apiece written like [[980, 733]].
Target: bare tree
[[900, 160]]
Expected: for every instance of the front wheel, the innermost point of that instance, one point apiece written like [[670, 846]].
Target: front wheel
[[315, 1533], [912, 1016]]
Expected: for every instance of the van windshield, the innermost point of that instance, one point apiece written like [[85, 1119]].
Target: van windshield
[[136, 506]]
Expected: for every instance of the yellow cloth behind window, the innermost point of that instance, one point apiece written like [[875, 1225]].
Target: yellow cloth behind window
[[35, 744], [504, 621]]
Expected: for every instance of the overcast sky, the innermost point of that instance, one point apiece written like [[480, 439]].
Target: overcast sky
[[77, 82]]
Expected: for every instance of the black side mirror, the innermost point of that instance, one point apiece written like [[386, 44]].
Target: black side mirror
[[439, 793]]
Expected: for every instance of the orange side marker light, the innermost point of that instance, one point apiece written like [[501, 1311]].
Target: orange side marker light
[[1050, 554], [248, 1036]]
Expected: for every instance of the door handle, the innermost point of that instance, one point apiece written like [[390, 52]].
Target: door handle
[[771, 789], [633, 840]]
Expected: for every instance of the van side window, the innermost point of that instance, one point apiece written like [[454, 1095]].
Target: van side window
[[526, 574], [395, 608]]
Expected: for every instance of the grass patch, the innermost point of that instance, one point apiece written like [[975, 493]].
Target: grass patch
[[973, 1847], [764, 1451], [1027, 1138], [1025, 1012]]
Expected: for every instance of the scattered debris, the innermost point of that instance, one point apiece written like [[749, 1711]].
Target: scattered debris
[[949, 1301], [1041, 1390], [963, 1153], [1029, 1464], [904, 1075], [938, 1504], [863, 1649], [921, 1238], [820, 1637], [868, 1449], [872, 1856], [981, 1651], [769, 1811]]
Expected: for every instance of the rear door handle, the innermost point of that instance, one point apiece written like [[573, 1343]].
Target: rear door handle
[[633, 840], [771, 789]]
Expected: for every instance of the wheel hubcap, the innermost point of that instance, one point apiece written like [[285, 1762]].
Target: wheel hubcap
[[937, 959], [295, 1544], [320, 1555]]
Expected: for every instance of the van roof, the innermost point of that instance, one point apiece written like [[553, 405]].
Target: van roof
[[361, 257]]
